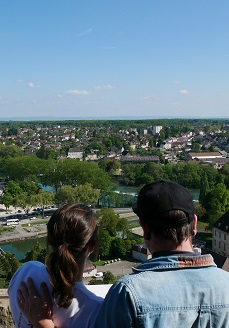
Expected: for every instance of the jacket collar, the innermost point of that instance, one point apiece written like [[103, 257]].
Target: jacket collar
[[176, 262]]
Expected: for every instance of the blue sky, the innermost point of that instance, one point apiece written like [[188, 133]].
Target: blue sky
[[97, 58]]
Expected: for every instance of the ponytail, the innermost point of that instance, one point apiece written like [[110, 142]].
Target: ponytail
[[71, 230]]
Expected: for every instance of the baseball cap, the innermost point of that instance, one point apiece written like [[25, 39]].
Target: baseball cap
[[157, 198]]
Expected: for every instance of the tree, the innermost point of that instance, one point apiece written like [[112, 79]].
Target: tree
[[8, 265], [118, 247], [7, 151], [29, 186], [225, 172], [37, 253], [109, 278], [86, 194], [123, 228], [199, 210], [11, 191], [44, 198], [110, 198], [65, 195], [107, 220], [26, 201], [216, 203], [104, 243], [204, 187], [80, 194]]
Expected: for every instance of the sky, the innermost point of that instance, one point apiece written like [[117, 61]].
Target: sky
[[114, 58]]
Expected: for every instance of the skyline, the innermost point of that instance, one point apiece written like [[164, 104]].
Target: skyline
[[120, 59]]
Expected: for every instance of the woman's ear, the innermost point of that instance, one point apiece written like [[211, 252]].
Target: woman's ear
[[91, 247]]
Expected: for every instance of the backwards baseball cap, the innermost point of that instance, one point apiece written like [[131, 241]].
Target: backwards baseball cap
[[157, 198]]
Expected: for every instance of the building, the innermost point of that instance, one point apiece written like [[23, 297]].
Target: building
[[157, 129], [204, 156], [220, 235], [75, 153], [141, 253]]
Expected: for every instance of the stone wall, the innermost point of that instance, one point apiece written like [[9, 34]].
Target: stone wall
[[6, 320]]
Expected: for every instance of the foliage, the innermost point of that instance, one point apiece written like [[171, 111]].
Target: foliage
[[11, 191], [110, 198], [108, 220], [79, 194], [200, 211], [104, 243], [37, 253], [73, 173], [7, 151], [216, 202], [8, 265], [118, 247], [108, 278], [26, 201], [44, 198]]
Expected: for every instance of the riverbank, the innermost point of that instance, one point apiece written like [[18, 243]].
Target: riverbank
[[38, 230]]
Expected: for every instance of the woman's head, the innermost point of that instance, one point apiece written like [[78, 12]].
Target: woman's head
[[71, 236]]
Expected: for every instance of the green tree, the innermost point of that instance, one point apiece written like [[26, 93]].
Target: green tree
[[79, 194], [204, 187], [123, 228], [104, 243], [118, 247], [7, 151], [108, 220], [109, 278], [11, 191], [44, 198], [200, 211], [37, 253], [8, 265], [216, 203], [29, 186], [26, 201], [225, 173]]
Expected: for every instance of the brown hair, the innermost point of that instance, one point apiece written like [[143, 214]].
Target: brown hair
[[71, 230], [177, 234]]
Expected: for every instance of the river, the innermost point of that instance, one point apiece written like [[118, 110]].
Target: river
[[20, 248]]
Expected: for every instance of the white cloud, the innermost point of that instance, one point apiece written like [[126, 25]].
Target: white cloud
[[103, 87], [153, 97], [183, 92], [60, 96], [89, 30], [77, 92], [32, 85], [19, 81]]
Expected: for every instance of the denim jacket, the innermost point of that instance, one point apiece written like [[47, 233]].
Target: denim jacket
[[169, 291]]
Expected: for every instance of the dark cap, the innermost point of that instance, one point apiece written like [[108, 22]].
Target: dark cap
[[157, 198]]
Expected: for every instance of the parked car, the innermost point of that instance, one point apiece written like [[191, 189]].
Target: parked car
[[98, 275]]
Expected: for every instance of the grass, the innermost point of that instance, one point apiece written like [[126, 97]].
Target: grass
[[205, 236], [201, 225], [5, 229]]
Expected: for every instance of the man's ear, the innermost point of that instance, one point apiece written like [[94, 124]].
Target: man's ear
[[194, 225], [146, 230]]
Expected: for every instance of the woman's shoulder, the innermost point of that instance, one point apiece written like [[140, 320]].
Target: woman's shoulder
[[33, 269], [80, 288]]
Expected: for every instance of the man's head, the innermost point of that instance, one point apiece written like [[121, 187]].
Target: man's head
[[167, 209]]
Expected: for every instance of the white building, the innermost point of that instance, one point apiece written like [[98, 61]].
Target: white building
[[220, 235], [75, 153], [156, 129]]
